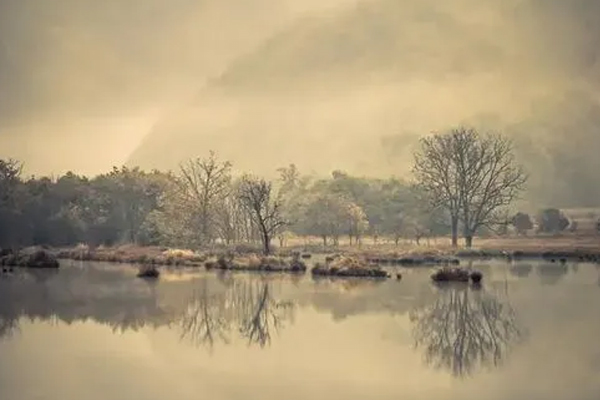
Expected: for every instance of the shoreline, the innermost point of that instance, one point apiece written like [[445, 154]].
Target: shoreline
[[543, 249], [367, 261]]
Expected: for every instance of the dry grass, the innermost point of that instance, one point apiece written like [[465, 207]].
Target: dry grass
[[133, 254], [542, 243], [432, 249], [253, 262], [349, 266]]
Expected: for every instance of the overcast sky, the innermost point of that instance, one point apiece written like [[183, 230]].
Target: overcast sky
[[82, 81]]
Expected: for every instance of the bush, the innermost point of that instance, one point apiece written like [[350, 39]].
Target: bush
[[552, 220], [522, 223]]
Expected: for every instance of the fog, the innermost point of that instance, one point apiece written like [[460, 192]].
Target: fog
[[325, 84], [83, 81]]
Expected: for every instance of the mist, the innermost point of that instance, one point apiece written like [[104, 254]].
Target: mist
[[83, 81], [336, 84]]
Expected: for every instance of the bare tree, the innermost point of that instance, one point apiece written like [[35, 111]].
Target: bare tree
[[256, 195], [490, 179], [204, 183], [437, 178], [474, 176]]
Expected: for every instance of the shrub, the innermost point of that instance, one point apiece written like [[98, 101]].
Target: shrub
[[522, 223], [552, 220]]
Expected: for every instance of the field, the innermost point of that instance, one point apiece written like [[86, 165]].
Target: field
[[564, 242]]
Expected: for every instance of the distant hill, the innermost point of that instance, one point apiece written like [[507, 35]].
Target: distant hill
[[344, 89]]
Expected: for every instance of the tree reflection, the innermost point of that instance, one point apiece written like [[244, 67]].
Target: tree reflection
[[105, 296], [464, 328], [247, 307], [521, 270], [552, 273], [205, 319]]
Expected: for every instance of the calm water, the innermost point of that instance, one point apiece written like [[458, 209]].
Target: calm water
[[94, 331]]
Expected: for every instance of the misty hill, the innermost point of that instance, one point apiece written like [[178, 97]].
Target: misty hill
[[353, 89]]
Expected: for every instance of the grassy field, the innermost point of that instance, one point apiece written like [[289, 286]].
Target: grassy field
[[442, 245]]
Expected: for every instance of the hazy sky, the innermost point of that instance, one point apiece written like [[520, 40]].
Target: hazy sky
[[82, 81]]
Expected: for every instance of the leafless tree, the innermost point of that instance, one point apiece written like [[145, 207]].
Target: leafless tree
[[464, 329], [437, 178], [474, 176], [204, 183], [257, 197]]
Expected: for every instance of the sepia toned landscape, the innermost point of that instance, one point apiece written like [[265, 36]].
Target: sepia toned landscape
[[266, 199]]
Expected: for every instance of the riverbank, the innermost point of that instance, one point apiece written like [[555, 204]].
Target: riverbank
[[577, 248]]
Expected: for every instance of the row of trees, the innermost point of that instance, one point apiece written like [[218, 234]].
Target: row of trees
[[205, 203], [462, 179]]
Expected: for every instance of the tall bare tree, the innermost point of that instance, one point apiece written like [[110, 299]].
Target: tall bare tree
[[204, 183], [437, 178], [474, 176], [256, 195]]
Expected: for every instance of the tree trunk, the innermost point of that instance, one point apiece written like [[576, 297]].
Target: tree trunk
[[469, 240], [266, 243], [454, 227], [324, 240]]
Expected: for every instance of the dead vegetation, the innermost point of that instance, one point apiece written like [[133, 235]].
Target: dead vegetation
[[254, 262], [456, 275], [148, 271], [29, 257], [344, 266], [131, 254]]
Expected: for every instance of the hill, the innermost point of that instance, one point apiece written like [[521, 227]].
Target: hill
[[354, 88]]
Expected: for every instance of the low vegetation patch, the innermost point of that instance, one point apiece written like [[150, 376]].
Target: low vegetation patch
[[254, 262], [446, 274], [148, 271], [32, 257], [132, 254], [344, 266]]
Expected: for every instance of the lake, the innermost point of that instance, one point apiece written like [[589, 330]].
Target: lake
[[95, 331]]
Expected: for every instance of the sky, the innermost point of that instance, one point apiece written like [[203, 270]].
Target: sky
[[83, 83]]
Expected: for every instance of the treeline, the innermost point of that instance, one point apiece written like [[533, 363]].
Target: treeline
[[464, 185], [205, 203]]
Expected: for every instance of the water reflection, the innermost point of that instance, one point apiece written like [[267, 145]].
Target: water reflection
[[552, 273], [210, 311], [245, 306], [465, 328], [77, 294], [521, 270]]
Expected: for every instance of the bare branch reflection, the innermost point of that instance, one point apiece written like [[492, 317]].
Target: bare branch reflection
[[464, 329], [205, 318], [247, 307]]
